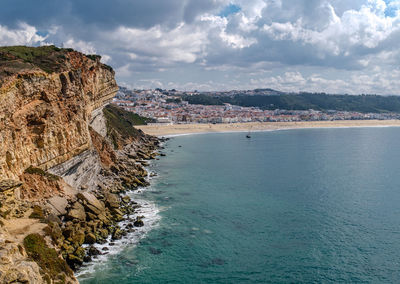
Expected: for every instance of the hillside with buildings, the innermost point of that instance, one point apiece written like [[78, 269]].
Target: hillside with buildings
[[262, 105]]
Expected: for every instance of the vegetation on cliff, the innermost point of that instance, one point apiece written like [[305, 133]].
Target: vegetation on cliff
[[120, 124], [58, 167], [47, 58], [37, 171], [52, 266], [14, 59]]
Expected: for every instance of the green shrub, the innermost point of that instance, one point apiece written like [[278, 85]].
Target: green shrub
[[37, 171], [52, 266], [120, 123], [93, 56]]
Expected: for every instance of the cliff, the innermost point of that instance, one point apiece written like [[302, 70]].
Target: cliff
[[66, 158], [44, 116]]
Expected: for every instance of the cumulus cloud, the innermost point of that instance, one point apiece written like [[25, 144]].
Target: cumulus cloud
[[23, 34], [224, 44], [180, 44], [80, 45]]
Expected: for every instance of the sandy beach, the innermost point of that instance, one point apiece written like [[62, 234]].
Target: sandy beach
[[177, 129]]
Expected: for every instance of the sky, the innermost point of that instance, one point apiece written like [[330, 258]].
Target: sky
[[332, 46]]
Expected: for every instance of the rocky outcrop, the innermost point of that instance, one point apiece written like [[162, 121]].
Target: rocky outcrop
[[44, 116], [16, 268], [66, 158]]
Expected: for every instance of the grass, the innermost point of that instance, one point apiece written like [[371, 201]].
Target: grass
[[27, 53], [52, 266], [120, 123], [37, 171], [48, 58], [14, 59]]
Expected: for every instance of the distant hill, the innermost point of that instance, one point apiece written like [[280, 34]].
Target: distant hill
[[303, 101]]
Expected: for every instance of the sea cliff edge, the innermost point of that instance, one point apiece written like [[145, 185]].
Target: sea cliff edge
[[66, 159]]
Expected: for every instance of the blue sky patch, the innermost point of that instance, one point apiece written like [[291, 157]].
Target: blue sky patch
[[229, 10], [391, 10], [42, 33]]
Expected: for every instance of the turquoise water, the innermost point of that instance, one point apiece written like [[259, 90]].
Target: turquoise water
[[298, 206]]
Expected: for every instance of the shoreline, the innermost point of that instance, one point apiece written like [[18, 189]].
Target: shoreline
[[148, 210], [171, 130]]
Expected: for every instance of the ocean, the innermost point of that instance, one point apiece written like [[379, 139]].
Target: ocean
[[292, 206]]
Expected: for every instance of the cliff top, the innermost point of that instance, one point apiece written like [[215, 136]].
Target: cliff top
[[17, 59]]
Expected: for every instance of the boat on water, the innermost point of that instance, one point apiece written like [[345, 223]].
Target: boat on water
[[248, 134]]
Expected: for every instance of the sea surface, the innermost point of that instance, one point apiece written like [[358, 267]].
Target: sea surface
[[293, 206]]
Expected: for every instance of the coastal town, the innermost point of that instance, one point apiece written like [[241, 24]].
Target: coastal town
[[167, 106]]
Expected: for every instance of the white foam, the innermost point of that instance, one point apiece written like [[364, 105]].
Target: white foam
[[148, 209]]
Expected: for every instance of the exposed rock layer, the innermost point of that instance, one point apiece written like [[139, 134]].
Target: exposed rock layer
[[44, 117], [63, 162]]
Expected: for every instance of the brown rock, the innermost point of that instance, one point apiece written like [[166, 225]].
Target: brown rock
[[112, 200], [76, 212], [138, 223], [8, 184], [92, 203], [90, 238], [126, 199], [45, 116], [78, 238]]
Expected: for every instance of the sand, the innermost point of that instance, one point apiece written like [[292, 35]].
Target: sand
[[19, 228], [178, 129]]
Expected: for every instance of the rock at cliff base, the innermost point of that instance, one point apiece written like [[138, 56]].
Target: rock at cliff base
[[112, 200], [126, 199], [92, 251], [76, 212], [92, 203], [58, 204], [138, 223], [90, 238], [8, 184]]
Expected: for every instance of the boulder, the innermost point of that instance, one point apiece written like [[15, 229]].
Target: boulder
[[92, 251], [77, 211], [103, 232], [78, 238], [137, 181], [53, 219], [117, 234], [116, 212], [90, 238], [58, 205], [91, 202], [126, 199], [80, 252], [112, 200], [138, 223], [74, 261]]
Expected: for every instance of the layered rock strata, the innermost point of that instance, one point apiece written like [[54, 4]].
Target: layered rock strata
[[44, 116], [65, 162]]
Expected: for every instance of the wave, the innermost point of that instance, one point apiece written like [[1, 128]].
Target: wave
[[149, 211]]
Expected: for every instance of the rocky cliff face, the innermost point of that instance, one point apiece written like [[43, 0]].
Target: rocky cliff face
[[65, 160], [44, 116]]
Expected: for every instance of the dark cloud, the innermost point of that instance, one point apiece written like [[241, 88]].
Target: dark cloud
[[144, 38]]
